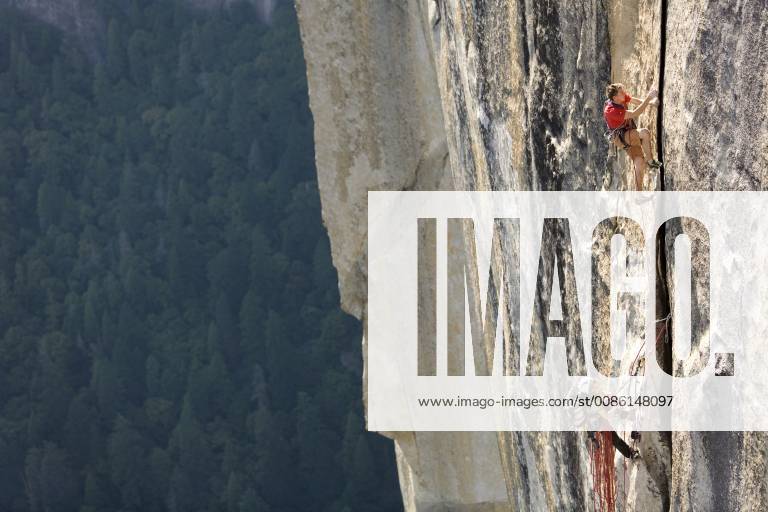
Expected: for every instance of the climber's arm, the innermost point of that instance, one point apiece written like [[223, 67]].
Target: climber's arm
[[653, 103], [633, 114]]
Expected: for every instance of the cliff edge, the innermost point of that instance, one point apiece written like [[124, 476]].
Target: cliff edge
[[448, 94]]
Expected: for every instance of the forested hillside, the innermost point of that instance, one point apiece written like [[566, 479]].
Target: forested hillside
[[170, 336]]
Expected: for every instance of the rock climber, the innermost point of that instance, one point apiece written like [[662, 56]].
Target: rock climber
[[623, 131]]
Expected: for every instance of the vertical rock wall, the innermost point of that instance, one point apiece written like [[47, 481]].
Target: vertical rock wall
[[521, 89], [379, 125], [716, 138], [715, 120], [507, 95]]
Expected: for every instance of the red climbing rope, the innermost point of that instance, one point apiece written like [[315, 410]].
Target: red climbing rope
[[602, 451], [594, 473], [603, 472]]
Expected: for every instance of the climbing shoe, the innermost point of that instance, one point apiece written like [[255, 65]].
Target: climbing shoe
[[654, 164]]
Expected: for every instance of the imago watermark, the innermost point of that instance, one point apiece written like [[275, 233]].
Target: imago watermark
[[567, 311]]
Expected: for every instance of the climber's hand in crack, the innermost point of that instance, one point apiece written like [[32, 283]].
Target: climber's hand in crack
[[642, 105], [653, 101]]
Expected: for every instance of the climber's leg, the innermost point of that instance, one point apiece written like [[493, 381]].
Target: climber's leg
[[645, 142], [640, 167], [634, 138], [635, 152]]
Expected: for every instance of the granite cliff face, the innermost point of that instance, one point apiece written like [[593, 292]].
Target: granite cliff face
[[507, 95]]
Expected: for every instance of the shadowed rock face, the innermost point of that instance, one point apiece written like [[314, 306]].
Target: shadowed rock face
[[716, 138], [507, 95]]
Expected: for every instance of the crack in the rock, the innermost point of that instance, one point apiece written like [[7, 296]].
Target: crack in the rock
[[662, 289], [660, 110]]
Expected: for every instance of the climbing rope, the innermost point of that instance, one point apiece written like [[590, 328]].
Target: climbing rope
[[602, 455], [663, 328], [602, 452]]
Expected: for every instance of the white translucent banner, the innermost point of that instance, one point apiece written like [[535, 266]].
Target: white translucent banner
[[698, 364]]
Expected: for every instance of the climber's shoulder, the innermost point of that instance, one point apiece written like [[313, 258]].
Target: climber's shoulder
[[614, 114]]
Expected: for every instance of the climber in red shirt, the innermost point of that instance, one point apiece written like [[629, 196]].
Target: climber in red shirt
[[623, 130]]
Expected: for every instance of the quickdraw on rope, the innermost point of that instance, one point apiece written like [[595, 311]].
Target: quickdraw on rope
[[660, 331]]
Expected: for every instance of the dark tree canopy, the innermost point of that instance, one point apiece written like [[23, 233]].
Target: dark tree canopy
[[170, 336]]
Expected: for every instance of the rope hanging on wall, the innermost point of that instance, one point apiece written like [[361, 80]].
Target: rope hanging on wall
[[601, 454]]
